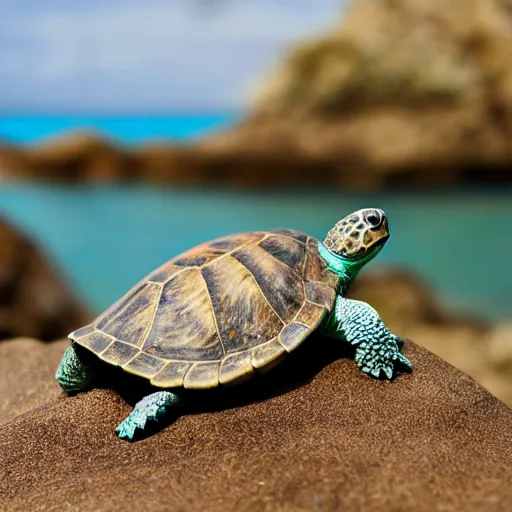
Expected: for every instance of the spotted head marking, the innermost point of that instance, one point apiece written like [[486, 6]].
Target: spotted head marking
[[358, 236]]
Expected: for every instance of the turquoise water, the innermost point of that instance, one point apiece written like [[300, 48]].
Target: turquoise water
[[105, 239], [132, 129]]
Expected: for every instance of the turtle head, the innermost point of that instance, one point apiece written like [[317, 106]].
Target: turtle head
[[356, 239]]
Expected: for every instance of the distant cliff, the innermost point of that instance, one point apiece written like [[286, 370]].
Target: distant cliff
[[402, 93]]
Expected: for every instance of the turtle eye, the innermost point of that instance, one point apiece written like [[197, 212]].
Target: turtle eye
[[373, 218]]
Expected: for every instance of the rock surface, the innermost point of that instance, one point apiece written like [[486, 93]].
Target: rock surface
[[74, 157], [315, 435], [33, 299], [402, 93], [481, 350]]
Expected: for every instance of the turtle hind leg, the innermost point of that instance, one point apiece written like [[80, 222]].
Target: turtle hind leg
[[151, 408], [73, 373]]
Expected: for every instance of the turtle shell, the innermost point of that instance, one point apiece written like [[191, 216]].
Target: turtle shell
[[218, 312]]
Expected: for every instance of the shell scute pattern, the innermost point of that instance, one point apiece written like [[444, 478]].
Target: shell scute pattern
[[244, 317], [119, 353], [144, 365], [292, 233], [215, 314], [280, 286], [132, 318], [95, 341], [290, 254], [236, 367], [202, 376], [171, 375], [263, 355], [309, 313], [293, 335], [183, 327]]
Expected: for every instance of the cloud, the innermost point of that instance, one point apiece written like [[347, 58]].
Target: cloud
[[153, 54]]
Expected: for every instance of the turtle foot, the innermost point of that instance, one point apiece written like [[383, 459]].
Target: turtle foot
[[126, 429], [73, 374], [382, 358], [149, 410]]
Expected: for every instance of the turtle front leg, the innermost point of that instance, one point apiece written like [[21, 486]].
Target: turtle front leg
[[73, 374], [378, 349], [151, 408]]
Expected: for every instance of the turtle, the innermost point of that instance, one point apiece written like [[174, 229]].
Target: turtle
[[232, 307]]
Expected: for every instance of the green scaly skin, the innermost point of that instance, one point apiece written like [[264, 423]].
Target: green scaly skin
[[73, 374], [151, 408], [355, 322]]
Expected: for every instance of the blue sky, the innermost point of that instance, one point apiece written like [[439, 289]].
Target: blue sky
[[145, 55]]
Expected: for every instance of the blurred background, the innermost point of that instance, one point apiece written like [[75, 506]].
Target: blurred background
[[132, 130]]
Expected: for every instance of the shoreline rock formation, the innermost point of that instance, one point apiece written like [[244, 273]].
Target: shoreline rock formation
[[400, 94], [314, 434]]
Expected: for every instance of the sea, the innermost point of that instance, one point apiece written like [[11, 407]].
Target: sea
[[121, 129], [105, 238]]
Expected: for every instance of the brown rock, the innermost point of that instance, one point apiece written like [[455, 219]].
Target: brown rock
[[499, 358], [27, 369], [413, 302], [33, 299], [314, 434], [402, 93], [80, 156], [178, 165], [500, 341], [12, 161]]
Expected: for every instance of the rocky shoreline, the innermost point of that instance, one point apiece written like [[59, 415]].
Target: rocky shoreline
[[235, 159], [407, 94]]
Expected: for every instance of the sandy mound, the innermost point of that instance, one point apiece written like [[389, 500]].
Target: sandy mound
[[315, 435]]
